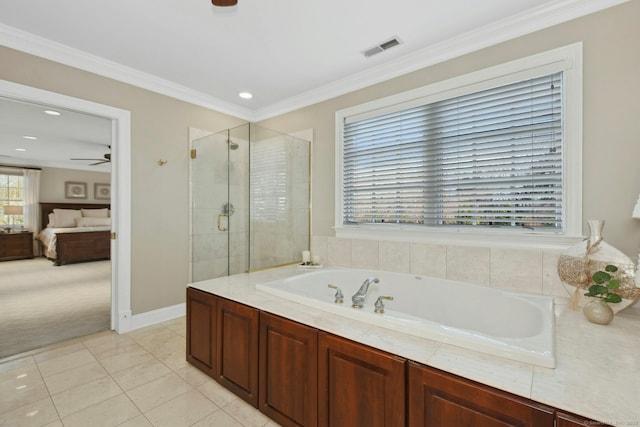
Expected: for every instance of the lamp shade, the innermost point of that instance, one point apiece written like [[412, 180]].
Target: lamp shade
[[13, 210]]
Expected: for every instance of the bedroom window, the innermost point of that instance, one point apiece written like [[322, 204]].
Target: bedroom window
[[11, 194], [482, 153]]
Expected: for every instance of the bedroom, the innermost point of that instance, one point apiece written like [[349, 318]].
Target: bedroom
[[35, 291]]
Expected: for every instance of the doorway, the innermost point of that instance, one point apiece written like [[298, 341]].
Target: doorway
[[120, 186]]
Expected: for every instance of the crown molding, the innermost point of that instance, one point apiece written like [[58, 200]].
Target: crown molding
[[54, 51], [541, 17], [527, 22]]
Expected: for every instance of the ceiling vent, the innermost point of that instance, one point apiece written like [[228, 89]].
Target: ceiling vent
[[388, 44]]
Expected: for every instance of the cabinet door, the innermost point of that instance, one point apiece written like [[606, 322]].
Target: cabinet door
[[201, 330], [237, 349], [288, 371], [564, 419], [437, 399], [359, 385]]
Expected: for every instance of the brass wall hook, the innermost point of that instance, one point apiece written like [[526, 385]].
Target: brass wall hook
[[162, 162]]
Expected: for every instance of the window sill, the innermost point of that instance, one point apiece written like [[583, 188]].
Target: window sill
[[483, 238]]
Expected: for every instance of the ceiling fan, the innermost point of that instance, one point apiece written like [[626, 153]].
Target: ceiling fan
[[223, 3], [105, 159]]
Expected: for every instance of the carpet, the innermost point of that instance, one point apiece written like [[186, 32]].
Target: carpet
[[41, 304]]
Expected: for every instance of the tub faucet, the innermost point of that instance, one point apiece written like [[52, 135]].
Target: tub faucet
[[358, 298]]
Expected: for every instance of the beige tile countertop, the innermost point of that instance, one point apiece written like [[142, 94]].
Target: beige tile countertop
[[597, 372]]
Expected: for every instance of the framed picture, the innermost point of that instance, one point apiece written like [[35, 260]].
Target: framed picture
[[102, 191], [75, 190]]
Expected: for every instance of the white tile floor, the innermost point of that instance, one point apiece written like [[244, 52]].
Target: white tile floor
[[135, 379]]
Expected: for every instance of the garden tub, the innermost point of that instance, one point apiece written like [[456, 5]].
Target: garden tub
[[513, 325]]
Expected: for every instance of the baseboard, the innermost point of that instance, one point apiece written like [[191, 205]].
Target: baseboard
[[158, 316]]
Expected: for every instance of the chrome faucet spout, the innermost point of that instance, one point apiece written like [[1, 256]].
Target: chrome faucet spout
[[358, 298]]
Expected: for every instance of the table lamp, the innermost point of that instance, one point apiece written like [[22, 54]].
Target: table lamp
[[13, 211]]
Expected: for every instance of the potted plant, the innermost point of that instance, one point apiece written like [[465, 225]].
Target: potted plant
[[598, 310]]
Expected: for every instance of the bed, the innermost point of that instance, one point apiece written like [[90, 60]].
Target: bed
[[74, 240]]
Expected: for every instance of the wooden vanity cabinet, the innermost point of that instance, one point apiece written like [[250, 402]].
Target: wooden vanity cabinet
[[288, 372], [201, 330], [222, 341], [236, 350], [439, 399], [301, 376], [359, 385]]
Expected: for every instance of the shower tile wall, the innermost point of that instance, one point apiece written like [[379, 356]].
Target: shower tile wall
[[280, 219]]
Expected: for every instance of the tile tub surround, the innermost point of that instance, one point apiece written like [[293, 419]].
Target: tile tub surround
[[597, 367], [526, 270]]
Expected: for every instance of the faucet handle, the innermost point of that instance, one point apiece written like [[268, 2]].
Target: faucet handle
[[379, 305], [339, 298]]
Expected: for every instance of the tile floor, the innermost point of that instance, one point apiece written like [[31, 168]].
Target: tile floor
[[136, 379]]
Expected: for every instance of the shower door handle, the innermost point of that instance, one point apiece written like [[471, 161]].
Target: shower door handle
[[220, 226]]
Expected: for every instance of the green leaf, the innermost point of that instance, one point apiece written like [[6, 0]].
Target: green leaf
[[601, 277], [601, 289], [611, 268], [596, 290], [614, 283], [613, 298]]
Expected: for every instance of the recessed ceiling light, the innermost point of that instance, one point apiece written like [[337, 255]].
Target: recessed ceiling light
[[21, 149], [30, 137], [245, 95], [52, 112]]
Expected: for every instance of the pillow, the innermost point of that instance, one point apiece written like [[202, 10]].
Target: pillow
[[66, 217], [92, 221], [95, 213], [52, 220]]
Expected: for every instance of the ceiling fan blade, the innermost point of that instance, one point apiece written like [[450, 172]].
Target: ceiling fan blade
[[223, 3], [105, 159]]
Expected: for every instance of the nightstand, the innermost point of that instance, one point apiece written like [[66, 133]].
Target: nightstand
[[16, 245]]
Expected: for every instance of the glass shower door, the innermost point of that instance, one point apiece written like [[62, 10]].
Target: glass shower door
[[218, 205]]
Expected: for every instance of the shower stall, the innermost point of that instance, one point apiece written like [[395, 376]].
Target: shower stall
[[250, 200]]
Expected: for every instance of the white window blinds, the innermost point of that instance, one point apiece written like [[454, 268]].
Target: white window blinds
[[269, 166], [489, 158]]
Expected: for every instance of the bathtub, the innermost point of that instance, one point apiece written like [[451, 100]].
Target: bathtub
[[512, 325]]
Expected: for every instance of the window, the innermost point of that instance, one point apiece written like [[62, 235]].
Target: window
[[269, 182], [11, 194], [487, 152]]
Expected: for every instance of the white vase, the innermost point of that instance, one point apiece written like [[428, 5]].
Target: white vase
[[598, 311], [577, 265]]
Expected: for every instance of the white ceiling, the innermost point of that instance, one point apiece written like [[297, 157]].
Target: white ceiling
[[288, 53], [59, 138]]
